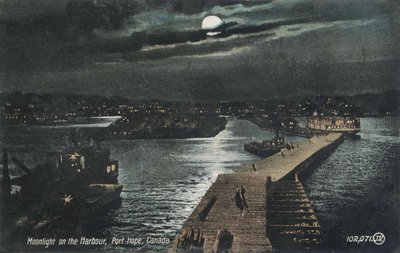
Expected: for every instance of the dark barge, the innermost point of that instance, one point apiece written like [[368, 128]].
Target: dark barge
[[267, 148], [72, 186]]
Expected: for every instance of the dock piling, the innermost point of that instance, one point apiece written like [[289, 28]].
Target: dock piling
[[6, 183]]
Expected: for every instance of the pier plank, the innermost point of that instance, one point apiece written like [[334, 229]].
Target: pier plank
[[249, 229]]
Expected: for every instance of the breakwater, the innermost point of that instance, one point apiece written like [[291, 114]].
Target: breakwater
[[233, 214]]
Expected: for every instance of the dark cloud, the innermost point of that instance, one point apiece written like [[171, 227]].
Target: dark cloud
[[282, 48]]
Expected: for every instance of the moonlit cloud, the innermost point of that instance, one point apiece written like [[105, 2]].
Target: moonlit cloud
[[282, 48], [224, 54]]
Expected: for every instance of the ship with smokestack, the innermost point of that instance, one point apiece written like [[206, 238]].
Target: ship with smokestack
[[270, 147], [333, 123], [72, 185]]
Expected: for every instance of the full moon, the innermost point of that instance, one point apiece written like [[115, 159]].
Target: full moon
[[211, 22]]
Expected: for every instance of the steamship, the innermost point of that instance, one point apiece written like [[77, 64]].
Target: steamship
[[346, 125]]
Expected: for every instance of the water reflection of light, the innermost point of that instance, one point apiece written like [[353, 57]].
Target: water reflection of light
[[355, 179], [165, 179]]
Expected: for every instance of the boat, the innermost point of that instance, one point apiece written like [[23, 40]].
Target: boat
[[347, 125], [267, 148], [77, 184]]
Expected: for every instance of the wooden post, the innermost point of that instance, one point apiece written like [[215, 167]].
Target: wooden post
[[296, 177], [269, 182], [216, 243], [6, 184]]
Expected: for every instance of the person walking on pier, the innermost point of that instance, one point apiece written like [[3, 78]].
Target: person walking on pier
[[240, 199]]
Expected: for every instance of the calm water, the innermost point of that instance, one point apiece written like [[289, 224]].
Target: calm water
[[354, 191], [165, 179]]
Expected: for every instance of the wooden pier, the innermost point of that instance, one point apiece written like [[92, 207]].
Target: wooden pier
[[219, 224]]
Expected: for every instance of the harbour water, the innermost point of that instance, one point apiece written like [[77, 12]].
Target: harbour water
[[354, 191], [165, 179]]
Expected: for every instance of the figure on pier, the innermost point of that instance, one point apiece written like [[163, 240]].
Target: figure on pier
[[240, 199]]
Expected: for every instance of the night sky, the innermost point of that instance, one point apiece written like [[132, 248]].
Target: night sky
[[156, 49]]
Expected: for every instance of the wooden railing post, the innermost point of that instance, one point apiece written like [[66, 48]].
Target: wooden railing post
[[6, 184]]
